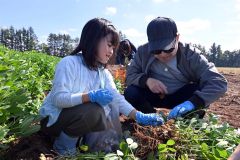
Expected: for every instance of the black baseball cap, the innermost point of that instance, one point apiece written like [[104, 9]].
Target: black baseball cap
[[161, 33]]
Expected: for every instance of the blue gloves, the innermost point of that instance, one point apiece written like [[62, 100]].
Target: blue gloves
[[181, 109], [100, 96], [152, 119]]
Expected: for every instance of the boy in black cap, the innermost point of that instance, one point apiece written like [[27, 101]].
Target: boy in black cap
[[166, 73]]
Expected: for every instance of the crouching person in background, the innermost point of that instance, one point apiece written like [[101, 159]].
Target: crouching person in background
[[84, 101], [125, 52]]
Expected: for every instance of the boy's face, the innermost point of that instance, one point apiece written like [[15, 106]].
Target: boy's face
[[105, 49], [166, 57]]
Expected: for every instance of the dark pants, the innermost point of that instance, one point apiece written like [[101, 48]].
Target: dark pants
[[77, 121], [144, 100]]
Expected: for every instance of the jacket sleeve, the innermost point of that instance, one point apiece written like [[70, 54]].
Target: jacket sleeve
[[118, 99], [212, 85], [61, 93], [135, 73]]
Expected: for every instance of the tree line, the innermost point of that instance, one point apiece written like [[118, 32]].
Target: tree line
[[62, 44], [26, 40], [219, 57]]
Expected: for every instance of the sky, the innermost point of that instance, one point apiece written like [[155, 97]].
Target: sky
[[199, 21]]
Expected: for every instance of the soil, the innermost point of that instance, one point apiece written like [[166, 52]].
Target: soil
[[228, 106], [38, 146]]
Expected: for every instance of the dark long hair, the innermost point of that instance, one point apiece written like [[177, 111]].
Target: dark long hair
[[93, 31], [124, 47]]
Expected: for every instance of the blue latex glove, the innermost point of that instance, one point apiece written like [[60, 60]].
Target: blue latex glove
[[152, 119], [100, 96], [181, 109]]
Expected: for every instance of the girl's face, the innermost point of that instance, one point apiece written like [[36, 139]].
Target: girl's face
[[105, 49]]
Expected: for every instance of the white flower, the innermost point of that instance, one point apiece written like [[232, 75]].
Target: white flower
[[119, 153], [222, 143], [129, 141], [237, 131], [134, 145], [204, 125]]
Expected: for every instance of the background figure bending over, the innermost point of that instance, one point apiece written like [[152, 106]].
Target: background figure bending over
[[125, 52]]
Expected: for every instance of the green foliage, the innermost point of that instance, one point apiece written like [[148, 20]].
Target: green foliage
[[201, 139], [84, 156], [127, 149], [165, 150], [219, 57], [24, 76], [119, 85], [125, 153], [21, 39]]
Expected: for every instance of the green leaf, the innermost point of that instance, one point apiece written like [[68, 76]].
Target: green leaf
[[3, 132], [124, 147], [184, 157], [162, 157], [204, 147], [31, 130], [222, 152], [170, 142], [161, 146], [26, 122], [172, 150], [4, 146], [3, 68], [211, 157], [84, 148], [163, 150]]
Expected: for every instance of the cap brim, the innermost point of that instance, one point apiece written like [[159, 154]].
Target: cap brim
[[165, 44]]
